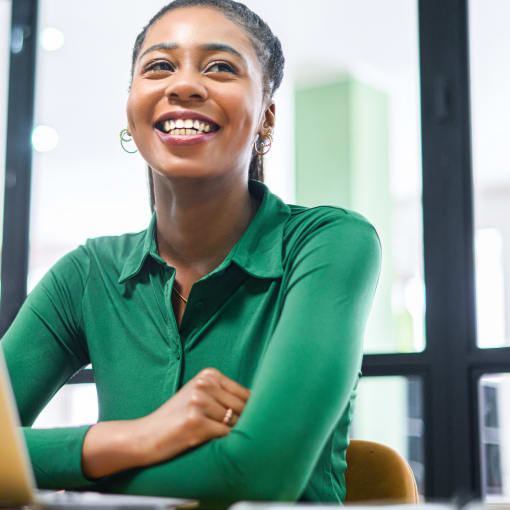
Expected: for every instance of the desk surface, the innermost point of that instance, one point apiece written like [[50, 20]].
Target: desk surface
[[247, 505]]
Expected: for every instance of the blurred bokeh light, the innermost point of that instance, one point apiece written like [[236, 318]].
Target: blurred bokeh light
[[52, 39], [44, 138]]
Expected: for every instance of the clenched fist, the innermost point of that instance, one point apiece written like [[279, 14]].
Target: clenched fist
[[198, 412]]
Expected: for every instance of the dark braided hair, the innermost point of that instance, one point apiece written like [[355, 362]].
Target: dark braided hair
[[266, 45]]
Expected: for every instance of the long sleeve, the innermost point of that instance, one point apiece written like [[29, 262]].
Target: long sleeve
[[303, 384], [43, 348]]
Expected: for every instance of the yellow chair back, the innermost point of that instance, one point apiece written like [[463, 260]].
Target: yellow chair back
[[378, 474]]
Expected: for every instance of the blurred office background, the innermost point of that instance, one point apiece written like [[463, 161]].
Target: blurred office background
[[348, 133]]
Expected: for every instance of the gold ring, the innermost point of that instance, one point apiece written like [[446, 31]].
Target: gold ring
[[228, 416]]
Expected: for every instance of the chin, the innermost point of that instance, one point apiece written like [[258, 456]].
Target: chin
[[184, 171]]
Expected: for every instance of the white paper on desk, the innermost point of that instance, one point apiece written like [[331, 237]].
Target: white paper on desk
[[249, 505]]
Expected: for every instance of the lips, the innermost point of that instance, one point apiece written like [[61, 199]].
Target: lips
[[185, 127]]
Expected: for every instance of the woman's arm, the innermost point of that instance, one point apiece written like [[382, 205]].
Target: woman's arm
[[43, 347], [191, 417], [303, 384]]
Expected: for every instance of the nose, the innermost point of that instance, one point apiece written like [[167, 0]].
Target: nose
[[186, 85]]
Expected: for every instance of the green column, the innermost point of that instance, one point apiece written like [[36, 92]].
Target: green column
[[342, 159], [342, 138]]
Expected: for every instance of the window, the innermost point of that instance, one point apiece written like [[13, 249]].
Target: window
[[447, 392], [494, 391], [490, 104], [389, 410], [357, 124], [5, 24]]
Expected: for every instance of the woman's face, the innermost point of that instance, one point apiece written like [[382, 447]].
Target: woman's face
[[207, 69]]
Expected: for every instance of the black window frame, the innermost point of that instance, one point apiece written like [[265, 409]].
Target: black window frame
[[451, 364]]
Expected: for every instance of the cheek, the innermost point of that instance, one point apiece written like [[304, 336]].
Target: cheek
[[129, 111], [242, 112], [139, 106]]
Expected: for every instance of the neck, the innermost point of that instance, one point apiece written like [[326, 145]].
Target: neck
[[200, 220]]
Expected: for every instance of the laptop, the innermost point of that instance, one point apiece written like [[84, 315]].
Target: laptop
[[17, 483]]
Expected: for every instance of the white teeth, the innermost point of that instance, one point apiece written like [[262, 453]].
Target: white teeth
[[186, 126]]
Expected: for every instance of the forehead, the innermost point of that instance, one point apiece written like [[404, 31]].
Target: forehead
[[194, 26]]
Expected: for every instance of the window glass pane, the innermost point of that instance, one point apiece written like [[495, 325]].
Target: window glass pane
[[396, 422], [85, 185], [490, 105], [494, 394], [5, 30], [74, 404], [357, 115]]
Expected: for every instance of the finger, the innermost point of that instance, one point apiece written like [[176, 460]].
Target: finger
[[233, 420], [217, 429], [229, 418], [216, 411], [234, 387], [228, 400], [211, 407], [227, 391], [213, 374]]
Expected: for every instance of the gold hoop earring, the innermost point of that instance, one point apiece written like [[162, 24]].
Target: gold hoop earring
[[125, 137], [265, 147]]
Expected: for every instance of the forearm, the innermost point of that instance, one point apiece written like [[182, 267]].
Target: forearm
[[112, 446], [206, 473]]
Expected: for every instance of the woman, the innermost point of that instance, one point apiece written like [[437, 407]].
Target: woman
[[226, 339]]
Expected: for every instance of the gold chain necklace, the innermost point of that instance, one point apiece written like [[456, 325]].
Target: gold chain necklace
[[180, 295]]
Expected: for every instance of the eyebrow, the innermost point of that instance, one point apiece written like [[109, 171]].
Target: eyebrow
[[203, 47]]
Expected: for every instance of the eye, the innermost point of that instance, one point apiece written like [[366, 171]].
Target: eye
[[220, 67], [157, 67]]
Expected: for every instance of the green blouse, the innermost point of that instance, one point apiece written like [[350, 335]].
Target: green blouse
[[283, 315]]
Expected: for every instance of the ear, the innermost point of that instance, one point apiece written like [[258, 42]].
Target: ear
[[268, 118]]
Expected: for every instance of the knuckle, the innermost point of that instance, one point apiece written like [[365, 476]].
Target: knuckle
[[203, 383], [195, 398], [209, 372], [193, 416]]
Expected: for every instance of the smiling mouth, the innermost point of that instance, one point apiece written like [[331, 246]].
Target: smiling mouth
[[186, 127]]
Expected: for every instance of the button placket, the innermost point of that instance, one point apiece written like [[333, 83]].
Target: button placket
[[163, 294]]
